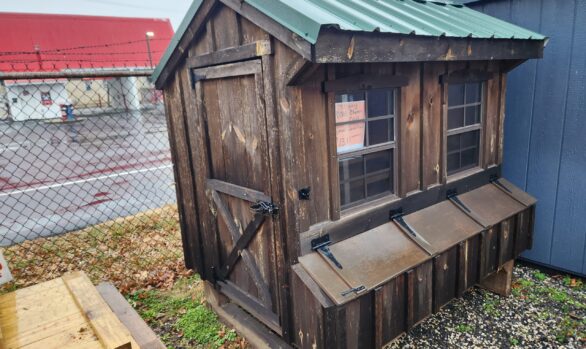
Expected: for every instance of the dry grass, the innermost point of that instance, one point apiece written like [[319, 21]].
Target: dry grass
[[137, 252]]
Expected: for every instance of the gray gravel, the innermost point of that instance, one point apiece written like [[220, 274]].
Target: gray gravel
[[544, 311]]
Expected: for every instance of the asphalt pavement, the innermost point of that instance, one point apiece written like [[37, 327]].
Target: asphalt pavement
[[58, 177]]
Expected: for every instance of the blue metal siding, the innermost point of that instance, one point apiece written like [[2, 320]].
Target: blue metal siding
[[545, 127]]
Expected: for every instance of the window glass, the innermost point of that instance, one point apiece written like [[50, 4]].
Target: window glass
[[365, 142], [464, 124], [463, 151]]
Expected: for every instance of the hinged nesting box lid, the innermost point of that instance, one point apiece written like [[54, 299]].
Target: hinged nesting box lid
[[443, 225], [494, 202], [363, 262]]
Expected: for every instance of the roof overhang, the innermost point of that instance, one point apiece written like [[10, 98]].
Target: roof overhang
[[334, 45], [337, 46]]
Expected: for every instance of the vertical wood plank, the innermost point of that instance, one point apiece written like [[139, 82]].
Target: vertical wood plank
[[273, 137], [185, 181], [316, 142], [491, 117], [334, 174], [445, 269], [389, 313], [506, 240], [489, 252], [432, 124], [409, 130], [419, 293], [195, 126]]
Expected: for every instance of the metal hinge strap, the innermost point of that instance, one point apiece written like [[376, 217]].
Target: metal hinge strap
[[321, 244]]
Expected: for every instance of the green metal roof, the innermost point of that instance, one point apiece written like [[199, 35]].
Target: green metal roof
[[412, 17]]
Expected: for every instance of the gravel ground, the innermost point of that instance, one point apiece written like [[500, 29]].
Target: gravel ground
[[544, 311]]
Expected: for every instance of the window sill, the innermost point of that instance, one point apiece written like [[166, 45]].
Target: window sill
[[457, 176], [369, 205]]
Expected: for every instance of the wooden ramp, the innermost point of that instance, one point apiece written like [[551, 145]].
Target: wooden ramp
[[70, 312]]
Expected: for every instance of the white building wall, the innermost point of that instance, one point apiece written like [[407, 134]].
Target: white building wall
[[25, 100], [124, 93]]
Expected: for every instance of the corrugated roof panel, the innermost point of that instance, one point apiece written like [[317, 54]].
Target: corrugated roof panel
[[418, 17], [410, 17]]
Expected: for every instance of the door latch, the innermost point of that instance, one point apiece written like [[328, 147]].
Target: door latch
[[265, 208]]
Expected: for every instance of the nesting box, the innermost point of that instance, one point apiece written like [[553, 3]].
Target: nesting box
[[338, 164]]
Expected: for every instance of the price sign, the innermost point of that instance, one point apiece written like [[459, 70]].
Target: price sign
[[350, 136]]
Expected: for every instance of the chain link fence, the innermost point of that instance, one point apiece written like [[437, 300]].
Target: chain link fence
[[86, 179]]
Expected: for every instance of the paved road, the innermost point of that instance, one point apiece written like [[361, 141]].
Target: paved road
[[55, 178]]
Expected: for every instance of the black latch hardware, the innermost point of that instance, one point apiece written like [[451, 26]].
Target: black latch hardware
[[452, 195], [265, 208], [357, 290], [321, 244], [495, 180], [305, 193]]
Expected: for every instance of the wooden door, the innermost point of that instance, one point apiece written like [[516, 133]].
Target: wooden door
[[239, 187]]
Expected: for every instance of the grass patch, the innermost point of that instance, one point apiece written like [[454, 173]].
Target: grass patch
[[133, 253], [464, 328], [181, 317]]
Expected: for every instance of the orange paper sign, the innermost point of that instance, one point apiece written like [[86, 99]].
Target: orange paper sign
[[350, 136]]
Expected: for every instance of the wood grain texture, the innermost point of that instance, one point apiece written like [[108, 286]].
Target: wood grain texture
[[409, 130], [491, 117], [445, 277], [139, 330], [107, 327], [389, 313], [432, 124]]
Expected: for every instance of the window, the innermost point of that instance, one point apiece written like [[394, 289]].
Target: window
[[365, 135], [464, 126]]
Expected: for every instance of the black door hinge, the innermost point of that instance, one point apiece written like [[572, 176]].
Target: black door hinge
[[397, 216], [321, 244], [265, 208]]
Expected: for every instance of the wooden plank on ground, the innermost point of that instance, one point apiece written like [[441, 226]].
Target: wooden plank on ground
[[109, 330], [140, 331]]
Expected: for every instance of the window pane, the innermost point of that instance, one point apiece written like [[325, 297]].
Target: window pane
[[356, 190], [392, 128], [472, 115], [455, 118], [380, 102], [351, 168], [343, 199], [470, 139], [453, 144], [453, 163], [473, 93], [350, 137], [455, 94], [378, 185], [378, 131], [469, 158], [378, 161]]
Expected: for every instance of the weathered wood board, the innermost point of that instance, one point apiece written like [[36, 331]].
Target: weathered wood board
[[70, 312]]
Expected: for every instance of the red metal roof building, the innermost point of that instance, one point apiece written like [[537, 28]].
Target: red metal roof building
[[46, 42]]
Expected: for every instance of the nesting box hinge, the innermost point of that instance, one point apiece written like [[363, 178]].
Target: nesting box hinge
[[494, 179], [397, 217], [452, 195], [321, 245], [356, 290], [265, 208], [305, 193]]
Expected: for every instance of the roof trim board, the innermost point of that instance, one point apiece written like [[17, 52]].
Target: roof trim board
[[307, 19]]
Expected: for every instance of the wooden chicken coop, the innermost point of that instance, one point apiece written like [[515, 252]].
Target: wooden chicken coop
[[338, 163]]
